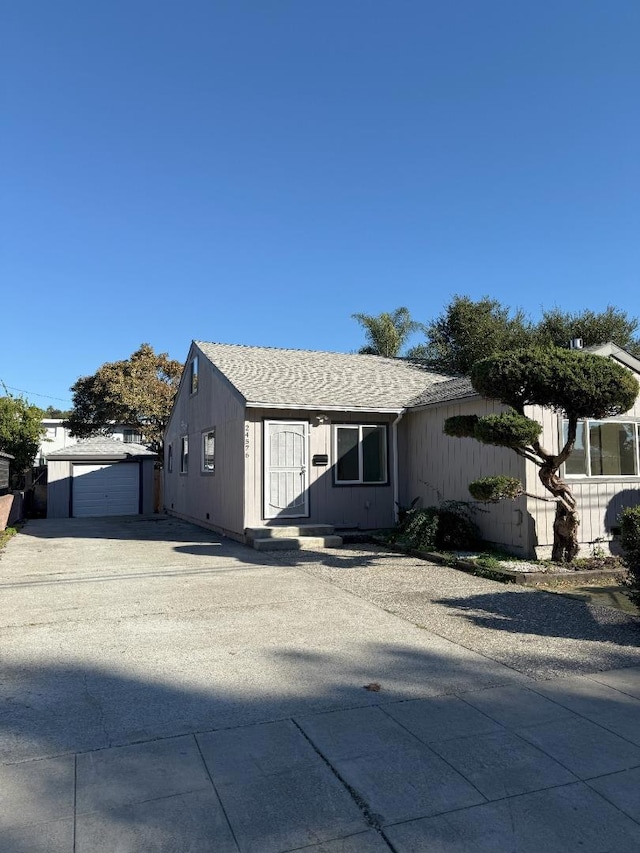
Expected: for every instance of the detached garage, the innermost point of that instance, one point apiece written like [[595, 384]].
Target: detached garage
[[100, 477]]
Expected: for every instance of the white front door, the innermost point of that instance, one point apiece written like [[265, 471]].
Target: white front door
[[286, 474]]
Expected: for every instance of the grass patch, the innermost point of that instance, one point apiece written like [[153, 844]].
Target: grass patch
[[6, 535]]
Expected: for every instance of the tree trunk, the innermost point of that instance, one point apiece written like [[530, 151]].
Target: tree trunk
[[567, 520], [565, 534]]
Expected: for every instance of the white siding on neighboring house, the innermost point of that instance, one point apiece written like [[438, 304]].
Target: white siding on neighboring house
[[56, 437]]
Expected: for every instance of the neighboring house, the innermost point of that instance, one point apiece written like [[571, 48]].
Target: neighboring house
[[58, 437], [266, 437], [5, 459]]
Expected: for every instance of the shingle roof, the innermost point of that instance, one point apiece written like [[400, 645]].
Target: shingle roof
[[100, 446], [442, 392], [285, 377]]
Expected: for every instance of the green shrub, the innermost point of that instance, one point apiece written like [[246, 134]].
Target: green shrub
[[455, 530], [447, 527], [508, 429], [630, 538], [419, 529], [494, 489], [461, 426]]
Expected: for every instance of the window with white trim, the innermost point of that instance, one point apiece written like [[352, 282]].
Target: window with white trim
[[208, 451], [360, 453], [170, 459], [193, 374], [604, 449], [184, 454]]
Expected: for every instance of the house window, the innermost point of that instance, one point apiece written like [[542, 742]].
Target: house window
[[208, 451], [131, 436], [193, 375], [604, 449], [360, 452], [170, 459], [184, 454]]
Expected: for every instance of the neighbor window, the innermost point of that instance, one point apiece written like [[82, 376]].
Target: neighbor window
[[184, 454], [193, 375], [131, 436], [170, 459], [208, 450], [604, 449], [360, 453]]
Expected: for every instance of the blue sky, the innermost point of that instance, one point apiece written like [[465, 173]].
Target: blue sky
[[255, 171]]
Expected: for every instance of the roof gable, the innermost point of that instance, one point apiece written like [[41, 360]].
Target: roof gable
[[612, 350]]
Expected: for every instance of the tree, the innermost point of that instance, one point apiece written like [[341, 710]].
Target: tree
[[467, 331], [387, 333], [137, 391], [53, 412], [559, 327], [577, 384], [21, 431]]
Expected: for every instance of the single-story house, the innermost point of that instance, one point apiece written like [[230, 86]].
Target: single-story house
[[100, 477], [262, 437]]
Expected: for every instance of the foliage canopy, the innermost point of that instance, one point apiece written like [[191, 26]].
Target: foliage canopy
[[386, 333], [580, 384], [137, 391], [21, 431], [469, 330], [558, 327]]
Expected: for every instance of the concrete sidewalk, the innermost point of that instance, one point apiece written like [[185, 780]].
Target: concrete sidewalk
[[162, 690]]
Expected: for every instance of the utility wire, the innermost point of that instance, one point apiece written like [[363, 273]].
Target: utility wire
[[34, 393]]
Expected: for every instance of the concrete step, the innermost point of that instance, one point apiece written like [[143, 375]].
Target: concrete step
[[297, 543], [252, 533]]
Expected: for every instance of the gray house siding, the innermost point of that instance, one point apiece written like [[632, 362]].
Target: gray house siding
[[58, 489], [435, 468], [363, 506], [210, 499]]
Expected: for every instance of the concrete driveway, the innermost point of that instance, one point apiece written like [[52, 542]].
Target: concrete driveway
[[162, 689]]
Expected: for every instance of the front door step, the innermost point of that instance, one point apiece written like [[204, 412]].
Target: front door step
[[297, 543], [309, 537]]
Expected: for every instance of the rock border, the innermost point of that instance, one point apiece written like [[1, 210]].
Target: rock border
[[533, 579]]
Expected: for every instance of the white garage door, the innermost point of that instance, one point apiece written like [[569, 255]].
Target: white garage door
[[106, 489]]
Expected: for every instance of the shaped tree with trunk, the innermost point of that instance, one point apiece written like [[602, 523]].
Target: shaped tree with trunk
[[572, 382]]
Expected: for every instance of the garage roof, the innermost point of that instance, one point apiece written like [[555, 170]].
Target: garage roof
[[100, 448]]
